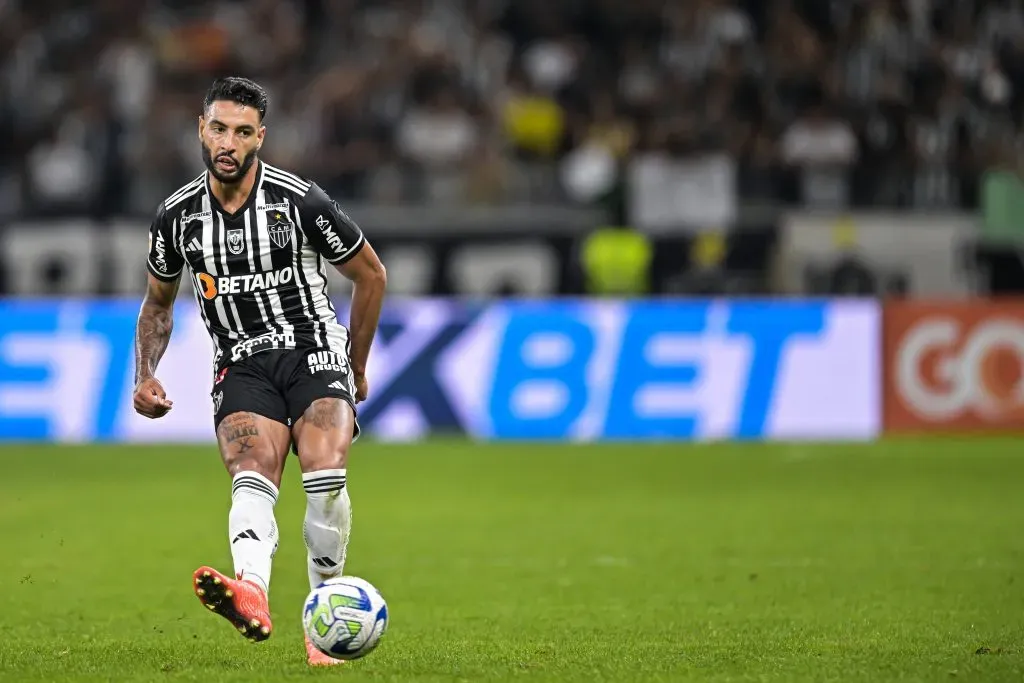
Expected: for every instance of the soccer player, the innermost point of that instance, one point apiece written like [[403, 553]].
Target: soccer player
[[287, 375]]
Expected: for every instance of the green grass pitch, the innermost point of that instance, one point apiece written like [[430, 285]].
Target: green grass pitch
[[900, 560]]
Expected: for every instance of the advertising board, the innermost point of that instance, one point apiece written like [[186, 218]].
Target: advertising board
[[579, 370], [954, 366]]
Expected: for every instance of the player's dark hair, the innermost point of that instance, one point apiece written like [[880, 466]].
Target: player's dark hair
[[237, 89]]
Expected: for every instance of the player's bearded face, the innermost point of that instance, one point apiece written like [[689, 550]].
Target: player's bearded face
[[230, 135], [226, 166]]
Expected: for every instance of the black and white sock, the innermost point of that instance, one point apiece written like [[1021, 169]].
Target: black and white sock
[[252, 529], [327, 524]]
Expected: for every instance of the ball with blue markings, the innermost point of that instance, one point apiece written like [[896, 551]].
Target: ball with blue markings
[[345, 617]]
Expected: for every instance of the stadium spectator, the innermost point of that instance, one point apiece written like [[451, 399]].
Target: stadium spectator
[[870, 102]]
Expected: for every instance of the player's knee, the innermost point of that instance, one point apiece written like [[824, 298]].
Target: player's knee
[[326, 435], [244, 449], [324, 457], [259, 459], [256, 463]]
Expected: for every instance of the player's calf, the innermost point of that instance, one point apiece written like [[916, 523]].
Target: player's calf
[[327, 524], [252, 528], [253, 448], [323, 437]]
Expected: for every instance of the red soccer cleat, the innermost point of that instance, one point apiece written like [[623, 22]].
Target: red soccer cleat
[[317, 658], [241, 602]]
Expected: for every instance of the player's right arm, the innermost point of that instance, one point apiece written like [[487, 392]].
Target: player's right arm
[[156, 318]]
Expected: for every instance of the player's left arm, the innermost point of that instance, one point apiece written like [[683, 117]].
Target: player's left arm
[[369, 281], [340, 241]]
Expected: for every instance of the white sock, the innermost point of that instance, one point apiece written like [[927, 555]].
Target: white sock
[[327, 524], [252, 529]]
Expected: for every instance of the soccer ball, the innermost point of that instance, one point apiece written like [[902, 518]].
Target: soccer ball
[[345, 617]]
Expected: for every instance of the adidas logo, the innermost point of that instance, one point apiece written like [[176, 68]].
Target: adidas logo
[[194, 245], [324, 562], [337, 384], [248, 533]]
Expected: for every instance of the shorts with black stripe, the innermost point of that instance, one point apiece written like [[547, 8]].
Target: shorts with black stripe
[[280, 384]]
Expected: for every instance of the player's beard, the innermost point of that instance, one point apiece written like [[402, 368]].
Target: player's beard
[[228, 178]]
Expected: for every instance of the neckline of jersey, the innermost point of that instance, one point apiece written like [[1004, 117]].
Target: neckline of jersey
[[215, 203]]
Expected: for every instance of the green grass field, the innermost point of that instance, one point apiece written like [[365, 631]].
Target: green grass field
[[896, 561]]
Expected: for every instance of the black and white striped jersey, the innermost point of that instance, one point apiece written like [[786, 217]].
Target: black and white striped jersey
[[258, 274]]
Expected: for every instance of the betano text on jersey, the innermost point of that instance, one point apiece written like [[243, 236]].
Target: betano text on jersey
[[258, 274]]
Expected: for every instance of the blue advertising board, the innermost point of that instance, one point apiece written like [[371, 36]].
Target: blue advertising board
[[554, 370]]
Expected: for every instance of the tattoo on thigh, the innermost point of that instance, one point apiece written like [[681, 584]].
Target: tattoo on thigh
[[323, 414], [238, 429]]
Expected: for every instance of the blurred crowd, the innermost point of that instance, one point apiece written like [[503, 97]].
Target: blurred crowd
[[821, 102]]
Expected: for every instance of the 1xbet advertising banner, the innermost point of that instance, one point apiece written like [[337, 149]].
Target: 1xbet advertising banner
[[579, 370], [956, 366]]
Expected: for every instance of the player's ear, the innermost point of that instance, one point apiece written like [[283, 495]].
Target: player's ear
[[202, 125]]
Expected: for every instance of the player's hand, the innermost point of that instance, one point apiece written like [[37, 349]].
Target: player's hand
[[362, 388], [150, 398]]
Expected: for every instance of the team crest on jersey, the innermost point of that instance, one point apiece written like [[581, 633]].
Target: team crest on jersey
[[236, 241], [280, 230]]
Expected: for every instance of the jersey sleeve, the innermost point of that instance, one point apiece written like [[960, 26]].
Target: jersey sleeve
[[335, 236], [164, 261]]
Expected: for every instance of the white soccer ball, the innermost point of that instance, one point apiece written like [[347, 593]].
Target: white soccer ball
[[345, 617]]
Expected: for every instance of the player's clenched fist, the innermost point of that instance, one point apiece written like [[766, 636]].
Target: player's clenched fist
[[151, 399], [362, 388]]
